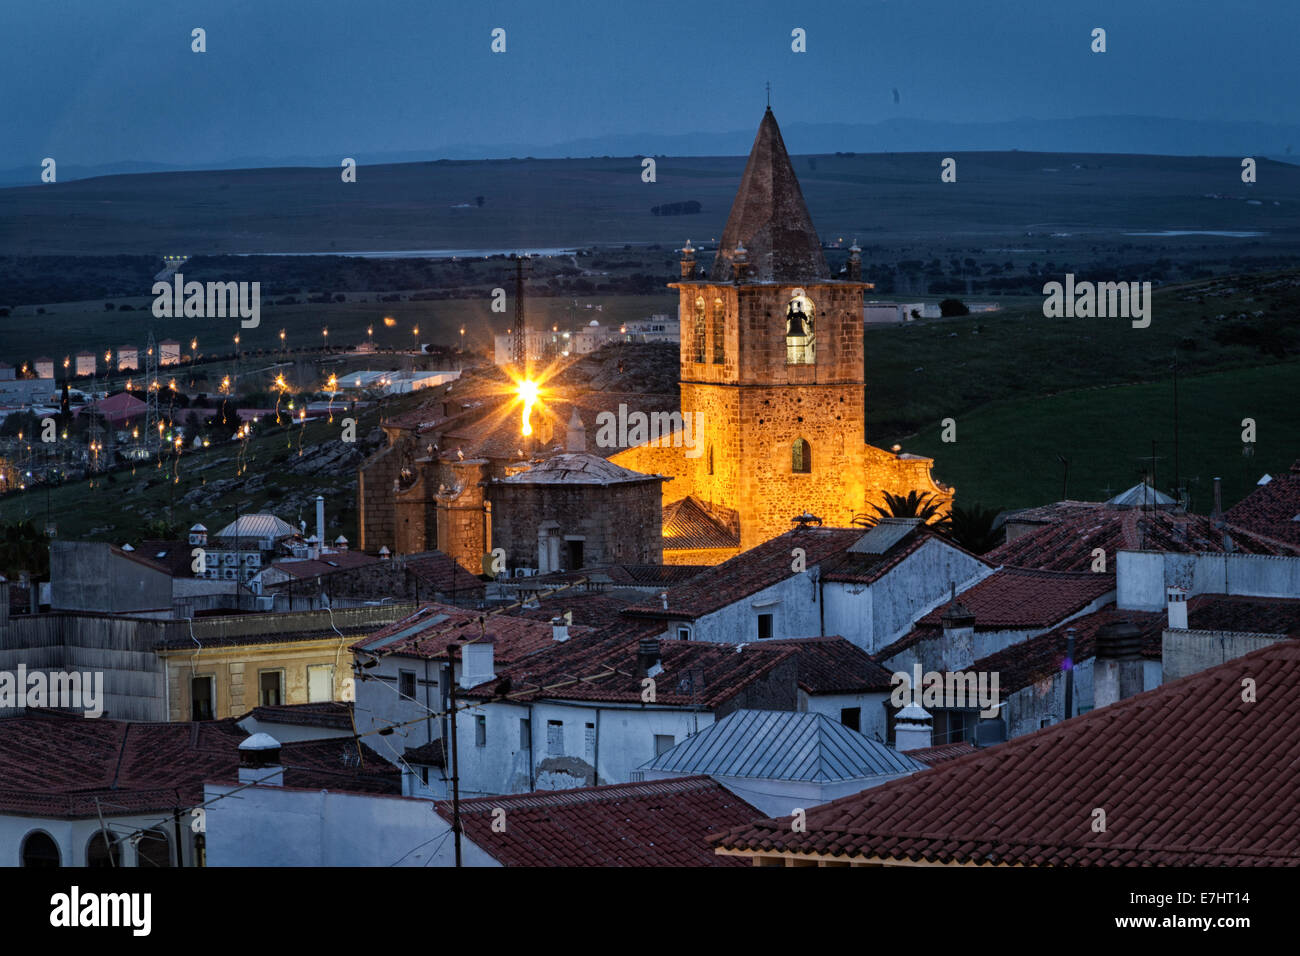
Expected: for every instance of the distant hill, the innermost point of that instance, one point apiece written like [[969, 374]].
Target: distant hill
[[876, 197]]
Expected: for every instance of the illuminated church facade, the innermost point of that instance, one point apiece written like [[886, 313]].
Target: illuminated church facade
[[772, 366]]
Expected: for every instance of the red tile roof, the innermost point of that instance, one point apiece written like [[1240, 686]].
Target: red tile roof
[[1272, 510], [1014, 599], [434, 626], [749, 572], [1188, 774], [325, 714], [55, 765], [942, 753], [656, 823], [688, 525], [833, 665], [1074, 529], [695, 673], [328, 564]]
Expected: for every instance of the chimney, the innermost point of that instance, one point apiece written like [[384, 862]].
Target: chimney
[[1069, 672], [384, 553], [1216, 516], [341, 543], [313, 548], [259, 761], [688, 261], [913, 727], [648, 657], [740, 264], [320, 524], [1177, 608], [476, 664], [663, 596], [855, 263], [575, 439], [1117, 670], [958, 624], [4, 602], [559, 629]]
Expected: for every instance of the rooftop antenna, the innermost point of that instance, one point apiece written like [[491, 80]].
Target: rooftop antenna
[[769, 93], [519, 346]]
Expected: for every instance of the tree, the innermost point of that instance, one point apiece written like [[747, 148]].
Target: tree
[[914, 504], [23, 548], [950, 307], [972, 528]]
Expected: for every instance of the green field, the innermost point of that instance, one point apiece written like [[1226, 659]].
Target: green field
[[1005, 455]]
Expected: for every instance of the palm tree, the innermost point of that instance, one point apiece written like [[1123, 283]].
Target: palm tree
[[914, 504], [972, 528]]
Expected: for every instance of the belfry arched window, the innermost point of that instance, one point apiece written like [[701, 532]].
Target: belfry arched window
[[719, 329], [800, 330], [710, 460], [699, 330], [801, 457]]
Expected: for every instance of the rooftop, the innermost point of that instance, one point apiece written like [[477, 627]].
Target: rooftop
[[1272, 510], [1176, 769]]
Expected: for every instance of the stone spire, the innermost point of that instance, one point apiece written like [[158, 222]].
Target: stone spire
[[770, 219]]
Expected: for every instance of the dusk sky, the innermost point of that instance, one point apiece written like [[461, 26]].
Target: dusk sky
[[88, 81]]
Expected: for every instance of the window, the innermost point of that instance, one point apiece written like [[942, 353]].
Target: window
[[954, 726], [154, 849], [851, 717], [270, 688], [424, 776], [575, 555], [406, 684], [103, 853], [525, 734], [320, 683], [683, 634], [480, 730], [710, 460], [799, 337], [202, 692], [801, 457], [699, 331], [590, 741], [40, 850], [764, 626], [664, 743], [555, 738], [719, 326]]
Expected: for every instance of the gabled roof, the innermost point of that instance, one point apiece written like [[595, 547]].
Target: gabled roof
[[690, 526], [658, 823], [55, 765], [1141, 495], [769, 216], [302, 568], [782, 745], [1188, 774], [1013, 599], [1271, 510], [1072, 530], [749, 572], [427, 632], [833, 665], [334, 714]]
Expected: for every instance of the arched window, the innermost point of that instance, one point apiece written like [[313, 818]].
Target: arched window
[[154, 849], [699, 330], [801, 457], [800, 338], [40, 850], [710, 460], [102, 852], [719, 329]]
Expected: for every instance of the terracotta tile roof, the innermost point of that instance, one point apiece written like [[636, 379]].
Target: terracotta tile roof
[[55, 765], [326, 564], [689, 526], [1189, 775], [695, 673], [1066, 542], [326, 714], [440, 572], [749, 572], [1272, 510], [1011, 599], [865, 568], [1042, 657], [431, 754], [833, 665], [657, 823], [427, 632], [176, 556], [942, 753]]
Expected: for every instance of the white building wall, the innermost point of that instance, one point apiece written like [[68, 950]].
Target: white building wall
[[871, 705], [73, 836], [379, 704], [1143, 576], [276, 826], [792, 602]]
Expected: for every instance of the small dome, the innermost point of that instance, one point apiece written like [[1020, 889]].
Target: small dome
[[260, 742]]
